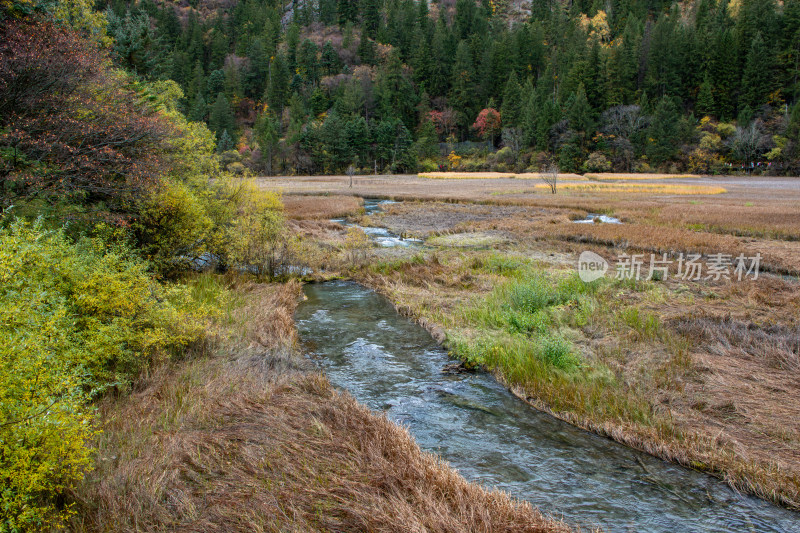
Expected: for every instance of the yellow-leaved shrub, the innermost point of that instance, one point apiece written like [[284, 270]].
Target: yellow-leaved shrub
[[75, 319], [256, 236]]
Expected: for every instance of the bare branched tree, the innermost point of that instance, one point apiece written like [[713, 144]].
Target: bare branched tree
[[624, 121], [550, 176], [512, 137], [749, 142]]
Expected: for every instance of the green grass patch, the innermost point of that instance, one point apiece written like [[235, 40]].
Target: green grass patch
[[495, 263], [394, 265], [525, 327]]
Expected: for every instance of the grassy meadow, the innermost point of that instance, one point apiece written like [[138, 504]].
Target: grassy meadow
[[696, 372]]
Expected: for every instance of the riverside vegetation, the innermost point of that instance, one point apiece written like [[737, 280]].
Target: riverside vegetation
[[694, 372], [135, 392]]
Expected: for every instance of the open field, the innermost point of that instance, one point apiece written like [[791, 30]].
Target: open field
[[640, 188], [757, 215], [494, 175], [247, 438], [636, 177], [300, 208], [699, 372], [608, 176]]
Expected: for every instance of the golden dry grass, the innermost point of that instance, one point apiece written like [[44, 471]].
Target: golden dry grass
[[493, 175], [638, 188], [634, 177], [775, 219], [301, 207], [250, 440], [722, 405], [777, 256]]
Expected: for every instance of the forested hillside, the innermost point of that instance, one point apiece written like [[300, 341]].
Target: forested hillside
[[708, 86]]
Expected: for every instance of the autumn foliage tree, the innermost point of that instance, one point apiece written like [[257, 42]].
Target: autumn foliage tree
[[488, 124], [72, 131]]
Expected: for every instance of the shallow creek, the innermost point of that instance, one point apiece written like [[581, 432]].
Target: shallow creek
[[491, 437], [381, 236]]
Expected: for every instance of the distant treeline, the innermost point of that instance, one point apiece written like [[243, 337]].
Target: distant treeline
[[317, 85]]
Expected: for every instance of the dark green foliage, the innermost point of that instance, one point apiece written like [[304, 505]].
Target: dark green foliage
[[330, 62], [552, 76], [705, 100], [579, 113], [370, 17], [757, 79], [664, 132], [511, 110], [225, 142], [136, 47], [221, 118], [277, 83], [367, 51]]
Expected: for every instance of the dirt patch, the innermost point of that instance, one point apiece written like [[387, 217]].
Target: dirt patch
[[424, 219], [469, 240]]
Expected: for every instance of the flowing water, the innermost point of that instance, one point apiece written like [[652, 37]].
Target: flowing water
[[391, 364], [381, 236], [593, 218]]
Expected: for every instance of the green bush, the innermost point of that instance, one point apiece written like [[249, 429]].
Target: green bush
[[428, 165], [538, 292], [557, 351], [75, 319], [597, 162]]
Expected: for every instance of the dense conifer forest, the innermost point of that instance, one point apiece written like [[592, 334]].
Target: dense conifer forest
[[391, 86]]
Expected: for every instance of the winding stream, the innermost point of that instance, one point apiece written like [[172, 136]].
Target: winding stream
[[391, 364], [381, 236]]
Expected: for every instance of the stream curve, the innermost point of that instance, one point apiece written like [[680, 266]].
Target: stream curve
[[491, 437]]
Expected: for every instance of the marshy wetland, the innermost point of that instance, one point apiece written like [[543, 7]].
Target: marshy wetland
[[701, 373]]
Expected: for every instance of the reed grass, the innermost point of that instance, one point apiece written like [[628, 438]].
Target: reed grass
[[638, 188], [493, 175], [636, 177], [249, 438], [601, 357]]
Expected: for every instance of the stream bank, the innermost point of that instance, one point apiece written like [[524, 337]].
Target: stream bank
[[393, 365]]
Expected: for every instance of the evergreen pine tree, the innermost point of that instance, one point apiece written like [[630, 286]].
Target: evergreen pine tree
[[319, 101], [511, 110], [348, 11], [199, 110], [330, 62], [705, 98], [135, 45], [757, 77], [225, 142], [462, 93], [367, 51], [580, 114], [370, 17], [664, 132], [278, 84], [221, 117]]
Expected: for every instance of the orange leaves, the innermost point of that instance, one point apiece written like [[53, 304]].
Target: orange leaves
[[488, 122]]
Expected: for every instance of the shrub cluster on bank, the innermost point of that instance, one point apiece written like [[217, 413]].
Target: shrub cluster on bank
[[108, 196]]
